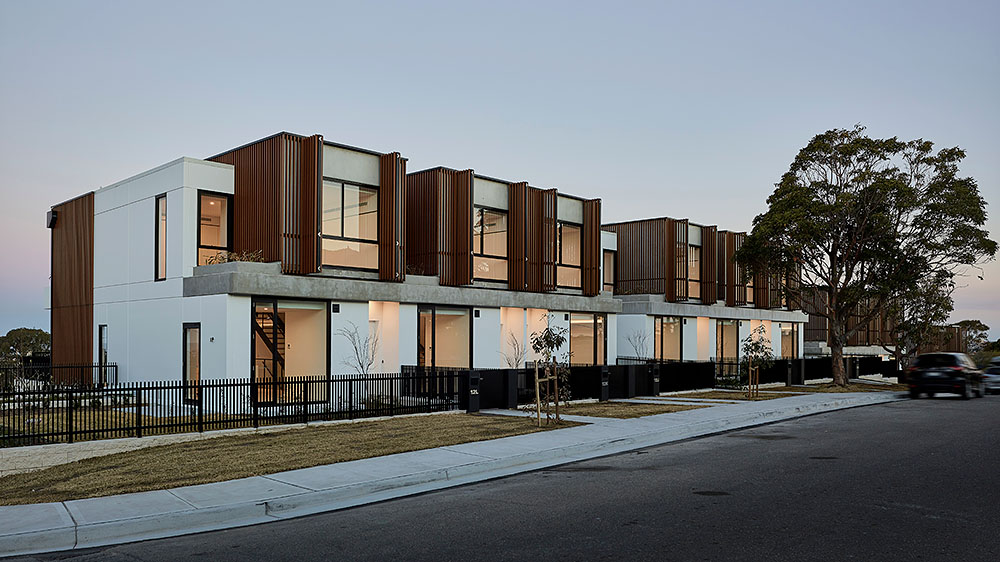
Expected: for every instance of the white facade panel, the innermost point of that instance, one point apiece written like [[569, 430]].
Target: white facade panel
[[407, 334], [634, 336], [569, 209], [612, 336], [489, 193], [694, 235], [350, 165], [486, 339], [689, 338], [353, 316]]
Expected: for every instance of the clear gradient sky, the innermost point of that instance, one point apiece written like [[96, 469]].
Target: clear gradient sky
[[685, 109]]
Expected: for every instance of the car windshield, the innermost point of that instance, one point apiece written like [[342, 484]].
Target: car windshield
[[937, 360]]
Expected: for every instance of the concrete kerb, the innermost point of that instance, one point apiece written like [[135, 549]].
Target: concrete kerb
[[118, 519]]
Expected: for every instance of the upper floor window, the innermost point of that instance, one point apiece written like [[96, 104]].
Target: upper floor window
[[350, 225], [214, 225], [694, 272], [568, 270], [489, 244], [609, 270], [750, 291], [160, 268]]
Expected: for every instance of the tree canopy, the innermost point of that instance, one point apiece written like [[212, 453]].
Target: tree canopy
[[21, 342], [860, 222]]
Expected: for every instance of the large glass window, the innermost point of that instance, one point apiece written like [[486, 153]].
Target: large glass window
[[568, 271], [694, 272], [609, 271], [350, 225], [444, 337], [727, 339], [789, 341], [750, 291], [214, 220], [489, 244], [587, 339], [192, 360], [160, 270], [667, 338]]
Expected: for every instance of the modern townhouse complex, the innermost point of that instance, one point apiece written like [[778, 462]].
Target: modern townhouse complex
[[683, 298], [443, 267]]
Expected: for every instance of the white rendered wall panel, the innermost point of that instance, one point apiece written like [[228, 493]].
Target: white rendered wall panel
[[486, 339]]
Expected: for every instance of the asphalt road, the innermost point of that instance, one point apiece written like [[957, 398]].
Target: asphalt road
[[915, 480]]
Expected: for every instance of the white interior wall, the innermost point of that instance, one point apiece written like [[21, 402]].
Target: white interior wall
[[706, 341], [559, 320], [386, 314], [305, 341], [512, 323]]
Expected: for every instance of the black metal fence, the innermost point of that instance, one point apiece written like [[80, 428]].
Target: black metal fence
[[21, 376], [55, 415]]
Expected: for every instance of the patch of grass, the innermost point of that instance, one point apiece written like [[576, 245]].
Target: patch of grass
[[720, 395], [853, 387], [227, 458], [623, 410]]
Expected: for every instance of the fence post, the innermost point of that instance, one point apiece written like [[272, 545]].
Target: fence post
[[305, 400], [137, 400], [69, 410], [201, 406]]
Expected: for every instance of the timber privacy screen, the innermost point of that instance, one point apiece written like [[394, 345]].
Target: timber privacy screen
[[65, 415]]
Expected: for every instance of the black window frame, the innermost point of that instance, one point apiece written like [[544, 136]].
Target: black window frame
[[478, 248], [156, 238], [691, 281], [324, 236], [433, 308], [191, 395], [614, 270], [559, 256], [229, 224], [604, 343]]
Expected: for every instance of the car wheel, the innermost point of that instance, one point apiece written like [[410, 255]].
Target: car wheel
[[965, 391], [979, 390]]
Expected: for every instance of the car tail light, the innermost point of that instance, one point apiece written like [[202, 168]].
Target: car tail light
[[956, 368]]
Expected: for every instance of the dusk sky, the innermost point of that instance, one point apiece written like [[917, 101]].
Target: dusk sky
[[682, 109]]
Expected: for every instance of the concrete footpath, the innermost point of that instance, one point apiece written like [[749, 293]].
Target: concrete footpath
[[26, 529]]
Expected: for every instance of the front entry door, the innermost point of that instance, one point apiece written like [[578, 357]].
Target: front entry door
[[268, 352]]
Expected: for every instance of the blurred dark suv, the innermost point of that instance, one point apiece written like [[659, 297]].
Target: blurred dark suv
[[944, 372]]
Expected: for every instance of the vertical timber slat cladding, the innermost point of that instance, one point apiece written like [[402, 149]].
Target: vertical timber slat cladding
[[590, 259], [457, 248], [257, 200], [736, 290], [549, 204], [641, 259], [722, 261], [311, 189], [422, 222], [708, 264], [540, 239], [793, 281], [516, 203], [670, 260], [761, 290], [392, 217], [291, 236], [72, 268], [680, 258]]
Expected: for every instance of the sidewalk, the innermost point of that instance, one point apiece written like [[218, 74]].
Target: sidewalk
[[164, 513]]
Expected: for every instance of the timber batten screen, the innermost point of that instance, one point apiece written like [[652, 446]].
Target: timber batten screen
[[641, 258], [516, 200], [591, 248], [72, 269], [709, 263], [392, 217], [422, 221], [439, 225], [276, 199]]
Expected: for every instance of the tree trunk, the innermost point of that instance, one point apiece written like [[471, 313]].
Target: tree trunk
[[837, 353]]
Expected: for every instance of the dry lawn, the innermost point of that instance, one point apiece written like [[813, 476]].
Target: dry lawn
[[227, 458], [623, 410]]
